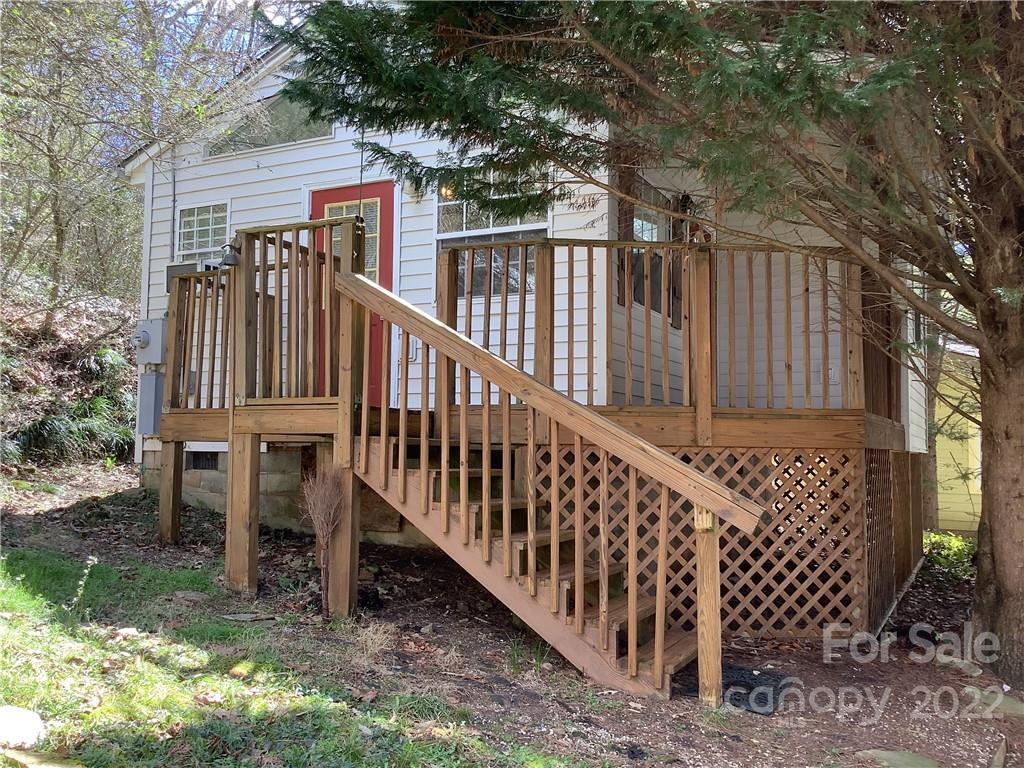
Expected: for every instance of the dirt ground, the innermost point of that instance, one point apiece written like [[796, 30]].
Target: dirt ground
[[444, 634]]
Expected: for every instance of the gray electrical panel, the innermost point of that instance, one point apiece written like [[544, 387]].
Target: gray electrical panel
[[151, 394], [149, 341]]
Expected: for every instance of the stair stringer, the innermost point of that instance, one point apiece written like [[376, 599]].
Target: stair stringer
[[535, 612]]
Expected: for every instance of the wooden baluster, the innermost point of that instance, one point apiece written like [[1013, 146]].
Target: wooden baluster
[[330, 315], [444, 414], [425, 428], [648, 332], [316, 305], [214, 324], [485, 506], [853, 329], [591, 328], [364, 425], [703, 343], [503, 320], [263, 315], [225, 345], [556, 513], [844, 336], [731, 290], [464, 402], [506, 485], [278, 385], [666, 308], [605, 554], [769, 334], [531, 501], [521, 337], [294, 314], [609, 305], [628, 311], [570, 353], [807, 331], [385, 401], [403, 410], [310, 319], [826, 393], [751, 403], [200, 338], [709, 608], [660, 591], [579, 603], [544, 321], [788, 322], [447, 277], [631, 573], [190, 305], [686, 288], [488, 289]]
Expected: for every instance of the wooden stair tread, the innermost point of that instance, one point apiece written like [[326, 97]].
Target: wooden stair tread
[[618, 610], [567, 572], [680, 650], [476, 504], [542, 538]]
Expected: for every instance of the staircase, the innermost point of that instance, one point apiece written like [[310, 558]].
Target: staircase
[[580, 548], [600, 649]]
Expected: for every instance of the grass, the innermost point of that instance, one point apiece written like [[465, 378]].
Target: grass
[[92, 649]]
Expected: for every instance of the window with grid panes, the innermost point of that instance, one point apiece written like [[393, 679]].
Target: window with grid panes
[[370, 211], [202, 230]]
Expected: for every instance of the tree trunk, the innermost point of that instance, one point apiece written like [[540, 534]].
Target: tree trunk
[[999, 596]]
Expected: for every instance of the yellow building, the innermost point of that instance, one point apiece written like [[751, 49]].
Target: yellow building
[[958, 444]]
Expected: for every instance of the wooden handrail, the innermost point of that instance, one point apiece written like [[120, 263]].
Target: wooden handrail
[[306, 224], [644, 456]]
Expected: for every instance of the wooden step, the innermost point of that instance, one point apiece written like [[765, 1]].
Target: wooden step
[[475, 505], [618, 611], [567, 573], [542, 538], [680, 650]]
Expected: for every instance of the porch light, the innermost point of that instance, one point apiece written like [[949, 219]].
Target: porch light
[[230, 256]]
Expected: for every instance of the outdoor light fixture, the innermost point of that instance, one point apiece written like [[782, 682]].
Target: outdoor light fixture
[[230, 257]]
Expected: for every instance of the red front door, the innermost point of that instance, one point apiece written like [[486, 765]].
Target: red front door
[[376, 204]]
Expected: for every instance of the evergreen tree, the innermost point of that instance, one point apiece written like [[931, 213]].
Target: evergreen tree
[[898, 129]]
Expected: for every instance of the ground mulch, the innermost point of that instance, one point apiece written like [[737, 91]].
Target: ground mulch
[[453, 639]]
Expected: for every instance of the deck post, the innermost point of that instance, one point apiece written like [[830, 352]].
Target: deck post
[[243, 513], [343, 557], [172, 451], [544, 324], [172, 454], [243, 364], [701, 366], [709, 608], [447, 313]]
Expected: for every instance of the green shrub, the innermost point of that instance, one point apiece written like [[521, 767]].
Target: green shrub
[[951, 553]]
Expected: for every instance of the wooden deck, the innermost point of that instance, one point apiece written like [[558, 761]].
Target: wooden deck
[[630, 535]]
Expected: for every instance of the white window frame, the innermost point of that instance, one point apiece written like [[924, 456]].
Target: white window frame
[[199, 255], [482, 231]]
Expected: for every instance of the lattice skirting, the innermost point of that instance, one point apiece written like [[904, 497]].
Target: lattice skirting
[[804, 569]]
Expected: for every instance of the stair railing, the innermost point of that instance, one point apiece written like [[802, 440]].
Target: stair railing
[[567, 430]]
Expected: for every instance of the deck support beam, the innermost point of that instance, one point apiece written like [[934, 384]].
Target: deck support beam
[[172, 461], [243, 512], [709, 609]]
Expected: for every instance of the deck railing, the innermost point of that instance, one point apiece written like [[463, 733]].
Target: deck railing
[[198, 343], [724, 325]]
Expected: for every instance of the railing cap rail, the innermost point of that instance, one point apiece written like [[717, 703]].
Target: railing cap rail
[[646, 457], [304, 224]]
